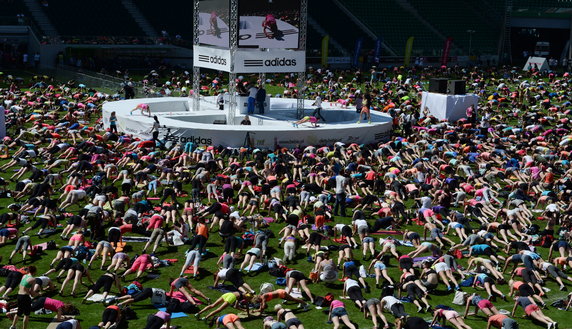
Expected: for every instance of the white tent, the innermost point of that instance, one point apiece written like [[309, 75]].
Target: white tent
[[447, 107], [539, 62]]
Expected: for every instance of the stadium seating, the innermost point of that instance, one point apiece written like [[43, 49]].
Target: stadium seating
[[91, 18], [448, 18], [173, 16], [395, 25], [12, 8], [329, 17]]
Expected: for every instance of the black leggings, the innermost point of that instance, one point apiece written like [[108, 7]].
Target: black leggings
[[109, 315], [142, 295], [355, 294], [235, 277], [40, 222], [114, 235], [13, 279], [232, 243], [198, 241], [168, 192], [38, 303], [105, 282], [154, 322]]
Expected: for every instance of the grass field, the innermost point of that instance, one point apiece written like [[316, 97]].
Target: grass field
[[91, 313]]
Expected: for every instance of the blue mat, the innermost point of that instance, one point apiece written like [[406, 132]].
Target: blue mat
[[173, 315]]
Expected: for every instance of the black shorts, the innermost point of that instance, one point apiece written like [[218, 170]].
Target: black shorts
[[297, 275], [13, 279], [347, 231], [235, 277], [109, 315], [75, 220], [355, 294], [38, 303], [406, 263], [413, 291], [24, 304], [64, 264], [525, 290], [293, 322], [351, 271], [77, 267], [315, 238], [105, 282]]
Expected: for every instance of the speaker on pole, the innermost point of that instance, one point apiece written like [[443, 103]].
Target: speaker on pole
[[456, 87], [438, 85]]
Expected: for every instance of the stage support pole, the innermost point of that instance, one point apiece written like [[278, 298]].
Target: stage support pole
[[233, 29], [196, 70], [302, 46]]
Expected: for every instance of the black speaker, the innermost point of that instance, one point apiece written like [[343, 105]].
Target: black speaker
[[438, 85], [456, 87]]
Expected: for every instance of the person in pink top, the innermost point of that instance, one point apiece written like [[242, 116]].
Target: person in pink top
[[54, 305], [338, 312], [452, 316], [143, 107], [156, 221], [140, 265], [269, 26], [159, 319]]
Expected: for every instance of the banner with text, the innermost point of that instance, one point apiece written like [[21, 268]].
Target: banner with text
[[446, 50], [408, 51], [357, 51], [325, 49], [211, 58], [270, 61]]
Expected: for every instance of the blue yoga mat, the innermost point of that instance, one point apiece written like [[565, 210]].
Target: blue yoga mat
[[173, 315]]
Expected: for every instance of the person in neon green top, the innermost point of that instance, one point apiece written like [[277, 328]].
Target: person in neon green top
[[24, 297], [228, 299]]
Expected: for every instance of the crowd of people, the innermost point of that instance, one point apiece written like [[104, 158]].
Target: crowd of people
[[445, 219]]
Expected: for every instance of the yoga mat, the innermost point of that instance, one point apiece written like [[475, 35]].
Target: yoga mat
[[135, 238], [388, 232], [420, 259], [55, 323], [98, 298], [173, 315], [120, 246], [189, 270]]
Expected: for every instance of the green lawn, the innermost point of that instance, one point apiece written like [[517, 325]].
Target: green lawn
[[91, 313]]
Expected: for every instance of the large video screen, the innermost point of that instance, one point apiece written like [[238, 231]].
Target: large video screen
[[269, 23], [214, 22]]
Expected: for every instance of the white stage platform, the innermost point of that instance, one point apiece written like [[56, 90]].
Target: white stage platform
[[267, 130], [448, 107]]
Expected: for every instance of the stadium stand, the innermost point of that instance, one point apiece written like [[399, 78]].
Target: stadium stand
[[342, 28], [395, 25], [72, 18], [448, 21], [164, 18]]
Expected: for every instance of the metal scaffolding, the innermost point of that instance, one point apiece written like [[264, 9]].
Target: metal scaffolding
[[233, 30], [196, 70], [303, 30]]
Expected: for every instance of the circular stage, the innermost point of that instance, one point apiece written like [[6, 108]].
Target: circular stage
[[180, 124]]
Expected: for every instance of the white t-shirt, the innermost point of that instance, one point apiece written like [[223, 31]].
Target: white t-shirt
[[252, 92], [390, 301], [552, 207], [351, 283], [318, 102], [360, 222]]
